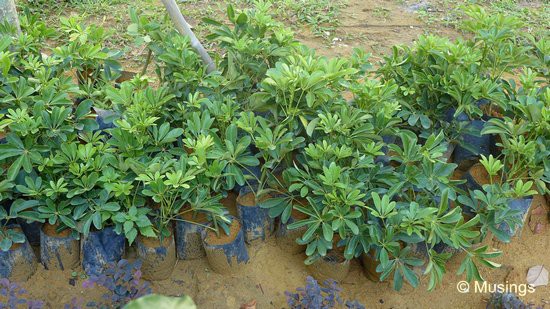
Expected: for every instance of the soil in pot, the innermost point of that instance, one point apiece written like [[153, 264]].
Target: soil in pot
[[189, 236], [100, 248], [58, 250], [158, 257], [286, 239], [230, 203], [257, 225], [226, 253], [19, 263], [477, 176], [125, 76], [331, 266]]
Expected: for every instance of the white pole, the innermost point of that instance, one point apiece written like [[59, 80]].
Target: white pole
[[183, 28]]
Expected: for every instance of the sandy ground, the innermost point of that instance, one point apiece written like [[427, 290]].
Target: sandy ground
[[271, 271]]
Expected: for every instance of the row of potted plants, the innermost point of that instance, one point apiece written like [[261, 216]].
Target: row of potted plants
[[376, 176]]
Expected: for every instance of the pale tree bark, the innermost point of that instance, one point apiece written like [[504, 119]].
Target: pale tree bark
[[8, 12], [183, 28]]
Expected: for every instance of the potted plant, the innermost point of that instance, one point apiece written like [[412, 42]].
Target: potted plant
[[502, 203], [17, 259], [85, 51], [59, 245]]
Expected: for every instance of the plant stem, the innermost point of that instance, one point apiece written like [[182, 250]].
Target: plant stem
[[147, 61]]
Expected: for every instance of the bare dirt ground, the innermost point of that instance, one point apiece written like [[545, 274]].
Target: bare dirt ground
[[271, 271]]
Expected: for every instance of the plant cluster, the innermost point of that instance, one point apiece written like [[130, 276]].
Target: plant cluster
[[314, 295], [123, 283], [362, 158], [13, 296]]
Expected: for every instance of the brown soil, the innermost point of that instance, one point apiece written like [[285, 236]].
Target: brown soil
[[230, 203], [222, 238], [250, 199], [491, 110], [194, 216], [481, 176], [363, 27], [153, 242], [51, 230], [298, 215], [125, 76]]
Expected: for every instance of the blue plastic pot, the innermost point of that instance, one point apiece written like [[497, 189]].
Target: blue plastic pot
[[100, 248], [522, 207], [58, 251], [104, 118], [158, 258], [256, 223], [228, 253], [256, 171], [189, 240], [482, 145], [385, 159], [18, 264], [450, 116]]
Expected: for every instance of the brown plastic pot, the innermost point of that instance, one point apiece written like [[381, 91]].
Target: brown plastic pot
[[287, 239], [230, 203], [158, 257], [370, 263], [331, 266]]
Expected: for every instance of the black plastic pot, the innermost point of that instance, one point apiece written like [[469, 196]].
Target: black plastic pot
[[158, 257], [100, 248], [58, 250], [255, 220], [522, 207], [19, 263], [450, 116], [31, 230], [226, 254], [189, 240], [482, 145]]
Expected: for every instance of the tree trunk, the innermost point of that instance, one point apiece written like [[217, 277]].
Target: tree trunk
[[183, 28], [8, 12]]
